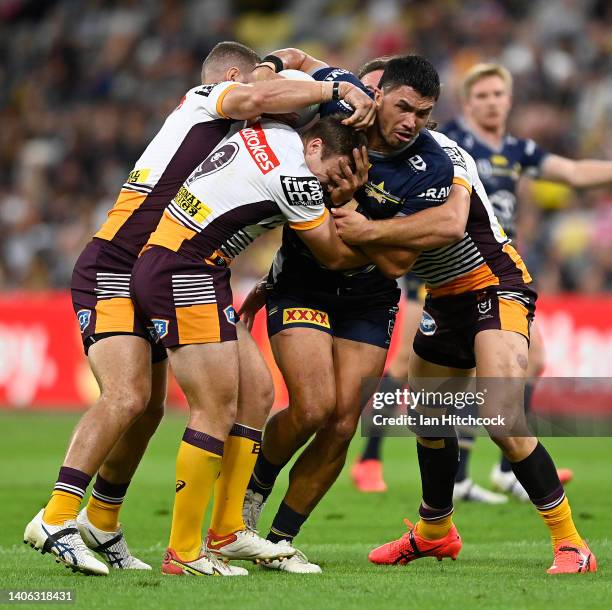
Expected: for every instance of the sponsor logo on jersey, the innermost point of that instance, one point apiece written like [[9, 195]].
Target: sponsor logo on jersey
[[302, 191], [188, 202], [295, 315], [138, 175], [499, 160], [418, 163], [161, 327], [205, 90], [215, 161], [179, 485], [230, 314], [84, 317], [259, 149], [455, 156], [256, 450], [435, 194], [428, 325]]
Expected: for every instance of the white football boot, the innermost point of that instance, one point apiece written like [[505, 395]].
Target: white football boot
[[206, 564], [468, 491], [247, 544], [110, 545], [296, 564], [65, 543], [508, 483]]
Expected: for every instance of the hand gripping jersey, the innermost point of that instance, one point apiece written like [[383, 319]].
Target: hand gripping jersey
[[255, 181], [186, 138], [414, 178], [500, 169], [484, 256]]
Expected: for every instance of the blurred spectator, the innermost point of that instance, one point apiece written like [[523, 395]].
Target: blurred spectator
[[85, 84]]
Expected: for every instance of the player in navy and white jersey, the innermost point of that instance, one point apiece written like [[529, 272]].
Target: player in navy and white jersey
[[502, 159], [367, 471], [343, 321]]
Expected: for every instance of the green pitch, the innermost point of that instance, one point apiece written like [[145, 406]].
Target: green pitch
[[502, 564]]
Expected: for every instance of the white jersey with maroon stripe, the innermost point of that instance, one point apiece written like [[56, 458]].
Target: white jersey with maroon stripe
[[256, 180], [185, 139]]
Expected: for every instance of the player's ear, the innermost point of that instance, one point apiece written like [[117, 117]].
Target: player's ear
[[234, 74], [378, 94], [314, 146]]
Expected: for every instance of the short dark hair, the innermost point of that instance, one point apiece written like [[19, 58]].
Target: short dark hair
[[231, 53], [338, 139], [412, 71], [379, 63]]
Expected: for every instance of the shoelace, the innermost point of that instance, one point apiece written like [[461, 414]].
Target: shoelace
[[577, 556], [76, 541], [217, 563], [397, 545]]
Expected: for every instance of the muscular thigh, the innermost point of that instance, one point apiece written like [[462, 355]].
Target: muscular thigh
[[122, 364], [358, 368], [304, 357]]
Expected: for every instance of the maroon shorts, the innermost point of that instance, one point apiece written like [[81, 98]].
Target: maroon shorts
[[450, 324], [101, 300], [187, 301]]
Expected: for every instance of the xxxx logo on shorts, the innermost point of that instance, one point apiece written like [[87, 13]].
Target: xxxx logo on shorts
[[292, 315]]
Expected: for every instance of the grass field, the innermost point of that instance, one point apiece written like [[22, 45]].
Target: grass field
[[502, 564]]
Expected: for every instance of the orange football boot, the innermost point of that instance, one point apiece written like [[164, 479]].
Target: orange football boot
[[368, 476], [411, 546], [570, 559]]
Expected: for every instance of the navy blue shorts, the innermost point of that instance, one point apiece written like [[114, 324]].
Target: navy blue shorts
[[374, 327]]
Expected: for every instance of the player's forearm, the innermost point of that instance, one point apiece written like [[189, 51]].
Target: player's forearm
[[277, 97], [591, 173], [391, 262], [296, 59], [579, 174], [431, 228]]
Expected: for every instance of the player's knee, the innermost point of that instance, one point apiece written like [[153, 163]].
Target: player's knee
[[515, 448], [343, 430], [312, 408], [129, 403]]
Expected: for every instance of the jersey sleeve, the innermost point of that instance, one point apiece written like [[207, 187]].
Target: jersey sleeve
[[338, 74], [210, 98], [531, 157], [299, 195], [460, 160], [433, 187]]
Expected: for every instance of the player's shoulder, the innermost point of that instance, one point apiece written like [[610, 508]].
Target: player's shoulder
[[525, 146], [430, 151]]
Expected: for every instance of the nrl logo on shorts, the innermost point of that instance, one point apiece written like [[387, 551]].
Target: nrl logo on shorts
[[84, 317], [161, 327], [428, 324], [230, 314], [484, 307]]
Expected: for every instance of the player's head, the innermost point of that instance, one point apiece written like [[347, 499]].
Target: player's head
[[407, 91], [326, 143], [229, 61], [486, 92], [371, 72]]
